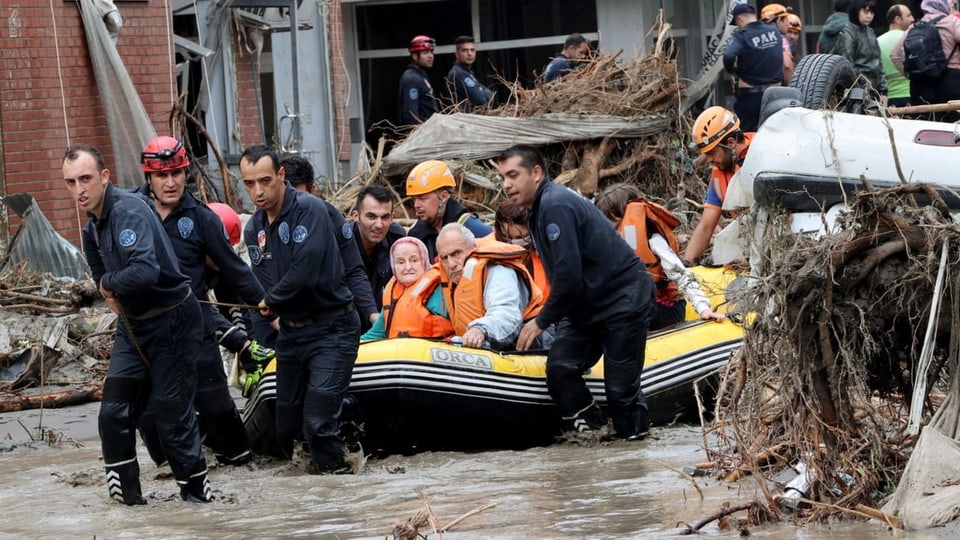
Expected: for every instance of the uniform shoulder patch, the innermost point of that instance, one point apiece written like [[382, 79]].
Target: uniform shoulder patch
[[413, 94], [255, 255], [127, 238], [470, 82], [185, 227], [553, 232], [299, 234], [347, 230], [284, 231]]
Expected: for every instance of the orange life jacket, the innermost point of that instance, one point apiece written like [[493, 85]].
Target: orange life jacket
[[641, 219], [405, 313], [535, 266], [465, 302]]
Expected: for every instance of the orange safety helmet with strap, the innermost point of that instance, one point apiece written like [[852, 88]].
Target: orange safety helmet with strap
[[466, 301], [641, 219], [405, 312], [428, 177]]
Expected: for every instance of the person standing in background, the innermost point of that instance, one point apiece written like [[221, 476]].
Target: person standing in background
[[899, 18]]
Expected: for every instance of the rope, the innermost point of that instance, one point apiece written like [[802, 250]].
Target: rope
[[170, 53]]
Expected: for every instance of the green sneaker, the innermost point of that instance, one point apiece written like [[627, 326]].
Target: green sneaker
[[250, 382]]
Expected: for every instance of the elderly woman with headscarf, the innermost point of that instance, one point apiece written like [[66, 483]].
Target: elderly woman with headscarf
[[858, 43], [412, 302], [941, 89]]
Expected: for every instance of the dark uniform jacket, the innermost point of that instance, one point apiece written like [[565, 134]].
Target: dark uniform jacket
[[296, 258], [465, 90], [454, 212], [558, 67], [755, 54], [593, 273], [130, 255], [377, 264], [197, 233], [353, 265], [417, 102]]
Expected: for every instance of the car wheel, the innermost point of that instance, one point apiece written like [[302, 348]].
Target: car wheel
[[823, 79]]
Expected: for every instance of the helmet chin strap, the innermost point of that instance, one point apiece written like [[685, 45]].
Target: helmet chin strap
[[441, 209]]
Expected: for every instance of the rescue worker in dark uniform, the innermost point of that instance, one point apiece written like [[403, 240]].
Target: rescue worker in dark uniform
[[600, 294], [417, 102], [575, 48], [294, 255], [429, 185], [463, 88], [235, 324], [756, 56], [199, 241], [159, 331], [375, 231], [299, 172]]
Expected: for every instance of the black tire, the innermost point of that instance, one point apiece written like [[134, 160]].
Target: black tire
[[822, 80]]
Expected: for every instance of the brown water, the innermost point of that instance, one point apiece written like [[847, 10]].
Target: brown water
[[622, 490]]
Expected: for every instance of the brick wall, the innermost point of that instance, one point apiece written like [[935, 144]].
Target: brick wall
[[33, 130], [338, 70], [248, 129]]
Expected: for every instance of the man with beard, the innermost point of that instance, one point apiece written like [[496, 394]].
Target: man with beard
[[429, 185]]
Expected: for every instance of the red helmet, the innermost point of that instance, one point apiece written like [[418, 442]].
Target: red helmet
[[164, 154], [422, 43], [230, 219]]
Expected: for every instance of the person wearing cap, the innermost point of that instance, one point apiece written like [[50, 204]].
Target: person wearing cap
[[300, 174], [430, 184], [463, 88], [899, 19], [417, 102], [717, 134], [575, 48], [858, 43], [203, 250], [756, 56]]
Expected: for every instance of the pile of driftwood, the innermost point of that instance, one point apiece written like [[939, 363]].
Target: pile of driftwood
[[844, 327], [27, 291], [56, 345], [625, 87], [634, 91]]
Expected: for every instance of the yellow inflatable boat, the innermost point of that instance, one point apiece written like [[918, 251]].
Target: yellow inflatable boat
[[409, 395]]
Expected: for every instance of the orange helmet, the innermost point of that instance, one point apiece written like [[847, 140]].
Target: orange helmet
[[164, 154], [422, 43], [429, 176], [771, 12], [230, 219], [794, 22], [712, 126]]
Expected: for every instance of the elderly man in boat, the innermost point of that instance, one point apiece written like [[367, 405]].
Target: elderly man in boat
[[487, 289]]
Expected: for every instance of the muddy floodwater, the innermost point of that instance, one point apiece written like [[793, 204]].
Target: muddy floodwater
[[623, 490]]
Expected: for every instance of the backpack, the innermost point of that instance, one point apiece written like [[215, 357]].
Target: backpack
[[923, 52]]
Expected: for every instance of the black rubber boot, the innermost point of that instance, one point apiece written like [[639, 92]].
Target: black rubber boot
[[123, 483], [197, 489], [590, 418]]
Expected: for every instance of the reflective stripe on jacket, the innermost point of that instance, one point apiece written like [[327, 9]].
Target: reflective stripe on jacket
[[405, 313], [642, 218]]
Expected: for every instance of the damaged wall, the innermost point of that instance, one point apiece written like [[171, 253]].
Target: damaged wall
[[50, 97]]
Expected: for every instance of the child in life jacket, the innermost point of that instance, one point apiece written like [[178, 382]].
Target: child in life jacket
[[648, 228]]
